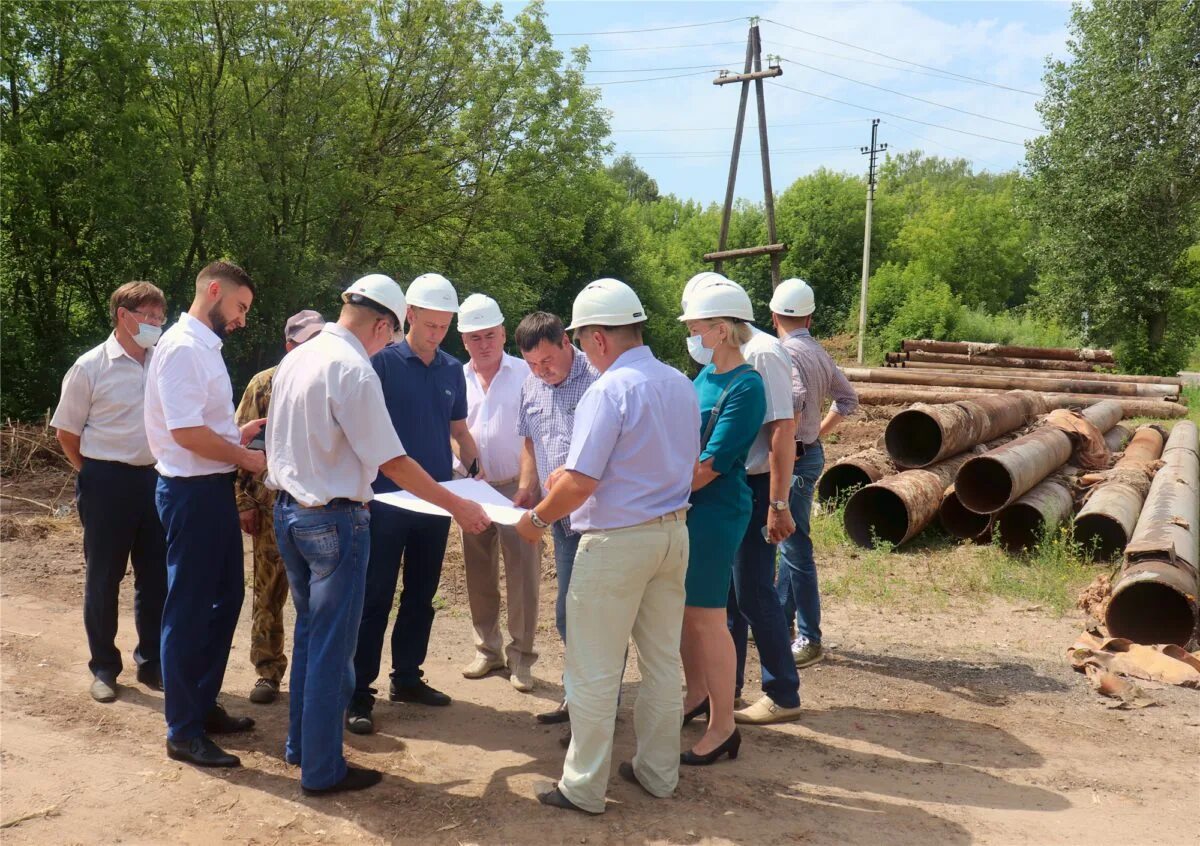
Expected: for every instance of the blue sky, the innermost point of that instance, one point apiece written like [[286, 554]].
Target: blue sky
[[681, 129]]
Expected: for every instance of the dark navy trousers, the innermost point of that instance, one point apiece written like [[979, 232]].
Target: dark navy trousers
[[120, 525], [204, 595]]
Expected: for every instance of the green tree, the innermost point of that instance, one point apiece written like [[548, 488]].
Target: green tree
[[1114, 186]]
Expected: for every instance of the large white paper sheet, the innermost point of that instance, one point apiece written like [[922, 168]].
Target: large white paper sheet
[[495, 504]]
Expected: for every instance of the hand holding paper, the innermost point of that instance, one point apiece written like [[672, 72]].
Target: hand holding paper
[[492, 503]]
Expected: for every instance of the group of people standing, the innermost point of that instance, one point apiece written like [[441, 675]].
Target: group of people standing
[[667, 502]]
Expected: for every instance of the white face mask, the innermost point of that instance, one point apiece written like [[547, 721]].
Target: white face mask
[[701, 354], [147, 335]]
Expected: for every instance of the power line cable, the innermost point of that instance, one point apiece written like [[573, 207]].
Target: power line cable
[[898, 59], [715, 66], [731, 128], [592, 49], [647, 29], [910, 96], [968, 156], [648, 79], [894, 115]]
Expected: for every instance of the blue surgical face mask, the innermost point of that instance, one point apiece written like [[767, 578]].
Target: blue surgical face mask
[[701, 354]]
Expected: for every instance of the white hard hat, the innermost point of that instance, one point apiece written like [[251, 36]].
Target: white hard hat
[[381, 291], [718, 299], [606, 302], [433, 290], [793, 298], [479, 312], [698, 283]]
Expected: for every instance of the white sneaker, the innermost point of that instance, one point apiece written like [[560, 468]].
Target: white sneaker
[[481, 666], [521, 678]]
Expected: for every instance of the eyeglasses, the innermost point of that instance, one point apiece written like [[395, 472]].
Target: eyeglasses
[[152, 319]]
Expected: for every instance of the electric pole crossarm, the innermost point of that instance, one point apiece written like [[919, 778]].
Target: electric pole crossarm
[[746, 252], [724, 79]]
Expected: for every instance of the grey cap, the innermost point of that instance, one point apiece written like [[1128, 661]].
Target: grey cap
[[302, 325]]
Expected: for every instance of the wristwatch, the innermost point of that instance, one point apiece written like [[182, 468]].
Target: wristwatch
[[537, 521], [778, 505]]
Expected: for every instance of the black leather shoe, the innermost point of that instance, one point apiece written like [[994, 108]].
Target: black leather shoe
[[202, 752], [700, 710], [356, 778], [731, 746], [218, 721], [359, 719], [625, 771], [558, 715], [418, 694], [555, 799], [149, 676]]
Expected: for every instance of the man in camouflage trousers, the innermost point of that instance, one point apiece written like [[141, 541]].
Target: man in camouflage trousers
[[256, 504]]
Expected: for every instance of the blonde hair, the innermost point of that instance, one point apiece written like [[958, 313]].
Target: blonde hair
[[739, 330]]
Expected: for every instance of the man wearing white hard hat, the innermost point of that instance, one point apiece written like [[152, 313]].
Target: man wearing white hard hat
[[494, 380], [329, 437], [815, 378], [626, 484], [426, 395], [753, 604]]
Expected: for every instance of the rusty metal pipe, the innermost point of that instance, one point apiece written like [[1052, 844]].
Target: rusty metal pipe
[[903, 395], [961, 522], [988, 483], [1154, 597], [901, 376], [1106, 521], [853, 472], [984, 370], [1117, 437], [1021, 525], [924, 434], [967, 347], [1004, 362]]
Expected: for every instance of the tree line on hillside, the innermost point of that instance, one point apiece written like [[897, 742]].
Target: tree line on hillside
[[315, 142]]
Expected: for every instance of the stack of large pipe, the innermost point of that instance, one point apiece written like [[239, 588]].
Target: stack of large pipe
[[1106, 521], [1154, 597], [1002, 350], [853, 472], [1069, 384], [871, 394]]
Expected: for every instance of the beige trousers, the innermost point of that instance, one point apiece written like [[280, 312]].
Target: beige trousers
[[522, 575], [625, 582]]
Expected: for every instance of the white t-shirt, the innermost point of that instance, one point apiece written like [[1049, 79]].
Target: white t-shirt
[[328, 429], [492, 418], [102, 398], [765, 353], [187, 385]]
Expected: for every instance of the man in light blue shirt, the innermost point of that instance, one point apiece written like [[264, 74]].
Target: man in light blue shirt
[[626, 484]]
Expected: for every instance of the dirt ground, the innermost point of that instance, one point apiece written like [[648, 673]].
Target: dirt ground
[[956, 727]]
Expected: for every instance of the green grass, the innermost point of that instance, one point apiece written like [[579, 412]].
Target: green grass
[[934, 570]]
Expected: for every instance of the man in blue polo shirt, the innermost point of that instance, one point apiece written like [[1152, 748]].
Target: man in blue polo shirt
[[426, 395]]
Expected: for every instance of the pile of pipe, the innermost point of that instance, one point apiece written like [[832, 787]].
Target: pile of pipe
[[949, 371]]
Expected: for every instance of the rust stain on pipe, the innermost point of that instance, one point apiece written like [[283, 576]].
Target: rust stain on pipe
[[894, 376], [1021, 525], [982, 369], [924, 434], [1106, 521], [853, 472], [1003, 362], [969, 348], [872, 394], [1154, 597]]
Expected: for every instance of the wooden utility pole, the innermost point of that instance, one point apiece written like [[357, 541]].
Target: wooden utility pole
[[753, 72], [872, 151]]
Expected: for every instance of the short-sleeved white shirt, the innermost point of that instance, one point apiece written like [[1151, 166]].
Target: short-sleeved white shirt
[[766, 354], [492, 418], [101, 402], [187, 385], [328, 428]]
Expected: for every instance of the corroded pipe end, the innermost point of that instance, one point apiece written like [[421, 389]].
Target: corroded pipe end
[[984, 485], [913, 438], [961, 522], [1019, 527], [1153, 602], [842, 479], [876, 513], [1101, 535]]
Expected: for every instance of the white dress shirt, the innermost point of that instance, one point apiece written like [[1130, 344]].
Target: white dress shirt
[[329, 428], [766, 354], [101, 402], [187, 385], [492, 417]]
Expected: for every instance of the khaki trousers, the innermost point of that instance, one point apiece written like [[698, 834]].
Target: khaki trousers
[[625, 582], [522, 576]]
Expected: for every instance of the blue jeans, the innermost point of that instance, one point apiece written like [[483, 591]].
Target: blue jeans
[[420, 541], [565, 547], [797, 580], [204, 595], [325, 553], [753, 604]]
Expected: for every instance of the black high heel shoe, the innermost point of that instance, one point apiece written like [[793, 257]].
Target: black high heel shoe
[[699, 710], [731, 746]]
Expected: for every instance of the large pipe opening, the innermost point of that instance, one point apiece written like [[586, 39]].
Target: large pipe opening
[[1019, 527], [1101, 535], [983, 485], [962, 522], [913, 438], [1151, 612], [876, 514], [841, 480]]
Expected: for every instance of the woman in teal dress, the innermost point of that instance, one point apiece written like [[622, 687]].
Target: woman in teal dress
[[732, 407]]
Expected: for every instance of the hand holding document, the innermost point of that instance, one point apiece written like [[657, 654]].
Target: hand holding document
[[497, 506]]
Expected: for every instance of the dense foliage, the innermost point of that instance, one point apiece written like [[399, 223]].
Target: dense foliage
[[314, 142]]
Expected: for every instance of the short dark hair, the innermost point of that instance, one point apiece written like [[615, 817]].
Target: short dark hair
[[134, 295], [225, 271], [537, 327], [630, 331]]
